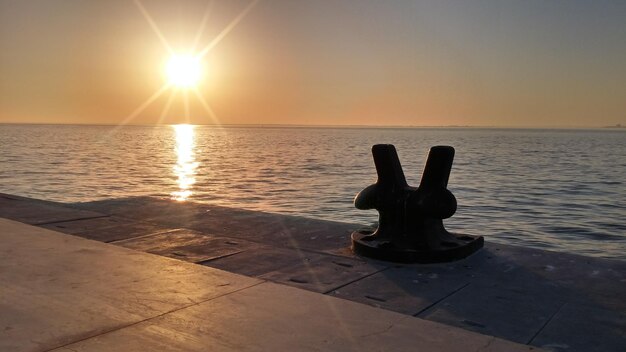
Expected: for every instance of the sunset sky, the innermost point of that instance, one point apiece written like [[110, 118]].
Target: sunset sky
[[346, 62]]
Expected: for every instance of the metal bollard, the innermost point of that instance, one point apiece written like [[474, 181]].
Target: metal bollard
[[410, 226]]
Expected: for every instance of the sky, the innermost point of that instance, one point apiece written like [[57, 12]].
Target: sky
[[550, 63]]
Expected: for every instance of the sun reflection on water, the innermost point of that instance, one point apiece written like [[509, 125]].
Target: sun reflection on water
[[186, 165]]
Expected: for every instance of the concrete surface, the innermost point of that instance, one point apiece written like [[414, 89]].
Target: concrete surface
[[556, 300], [187, 245], [66, 293], [57, 288], [38, 212], [107, 228], [271, 317]]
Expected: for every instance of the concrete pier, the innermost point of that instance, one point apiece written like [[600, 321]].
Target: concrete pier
[[555, 301]]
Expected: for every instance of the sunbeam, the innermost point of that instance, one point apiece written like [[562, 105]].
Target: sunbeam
[[166, 109], [154, 27], [206, 107], [145, 104], [228, 28], [205, 19]]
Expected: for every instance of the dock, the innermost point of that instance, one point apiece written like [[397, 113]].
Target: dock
[[146, 273]]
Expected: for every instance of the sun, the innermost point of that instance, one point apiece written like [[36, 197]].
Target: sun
[[183, 71]]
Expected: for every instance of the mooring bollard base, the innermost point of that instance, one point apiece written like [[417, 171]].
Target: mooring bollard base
[[363, 243]]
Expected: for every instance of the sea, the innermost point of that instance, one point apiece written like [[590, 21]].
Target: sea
[[560, 190]]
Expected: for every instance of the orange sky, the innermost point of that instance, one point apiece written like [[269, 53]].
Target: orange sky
[[416, 63]]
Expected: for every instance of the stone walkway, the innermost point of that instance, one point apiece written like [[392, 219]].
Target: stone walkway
[[66, 293], [554, 300]]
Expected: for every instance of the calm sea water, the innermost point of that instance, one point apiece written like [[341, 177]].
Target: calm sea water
[[553, 189]]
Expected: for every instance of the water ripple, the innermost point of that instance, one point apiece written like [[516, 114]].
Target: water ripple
[[559, 190]]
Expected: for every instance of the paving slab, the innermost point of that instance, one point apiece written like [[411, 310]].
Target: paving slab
[[36, 212], [325, 273], [107, 229], [496, 311], [77, 227], [278, 231], [565, 268], [534, 271], [263, 259], [255, 226], [584, 328], [57, 288], [139, 207], [274, 317], [408, 290], [187, 245]]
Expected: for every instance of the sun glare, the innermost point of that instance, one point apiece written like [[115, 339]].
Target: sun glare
[[184, 71]]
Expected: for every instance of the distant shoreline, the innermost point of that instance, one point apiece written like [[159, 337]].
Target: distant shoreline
[[617, 127]]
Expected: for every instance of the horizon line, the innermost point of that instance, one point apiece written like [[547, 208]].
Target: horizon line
[[272, 125]]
